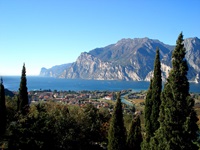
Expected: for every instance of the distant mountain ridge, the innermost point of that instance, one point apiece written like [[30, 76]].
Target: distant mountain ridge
[[131, 59], [54, 71]]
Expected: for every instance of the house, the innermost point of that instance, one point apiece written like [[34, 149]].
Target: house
[[108, 97]]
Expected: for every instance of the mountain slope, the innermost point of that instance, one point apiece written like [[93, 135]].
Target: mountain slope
[[54, 71], [90, 67]]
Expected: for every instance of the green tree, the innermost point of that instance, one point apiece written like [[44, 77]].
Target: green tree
[[90, 127], [156, 93], [134, 137], [23, 102], [51, 125], [46, 126], [2, 109], [177, 117], [147, 111], [153, 101], [117, 132]]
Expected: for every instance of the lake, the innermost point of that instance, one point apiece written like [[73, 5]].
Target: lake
[[45, 83]]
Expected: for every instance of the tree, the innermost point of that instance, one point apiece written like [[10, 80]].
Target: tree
[[117, 132], [177, 117], [23, 102], [153, 100], [2, 109], [147, 112], [90, 127], [51, 125], [134, 137], [156, 93]]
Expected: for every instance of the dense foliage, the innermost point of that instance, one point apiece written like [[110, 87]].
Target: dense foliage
[[134, 136], [50, 125]]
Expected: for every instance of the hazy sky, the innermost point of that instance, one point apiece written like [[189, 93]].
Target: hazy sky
[[44, 33]]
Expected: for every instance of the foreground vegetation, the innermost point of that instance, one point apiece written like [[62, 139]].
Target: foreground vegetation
[[54, 125]]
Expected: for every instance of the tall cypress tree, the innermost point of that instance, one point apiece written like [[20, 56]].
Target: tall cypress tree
[[177, 116], [134, 137], [153, 101], [117, 132], [156, 93], [2, 109], [23, 102]]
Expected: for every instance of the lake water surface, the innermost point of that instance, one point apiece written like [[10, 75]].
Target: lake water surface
[[45, 83]]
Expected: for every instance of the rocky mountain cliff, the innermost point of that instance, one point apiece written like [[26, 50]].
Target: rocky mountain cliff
[[55, 71], [192, 46], [131, 59]]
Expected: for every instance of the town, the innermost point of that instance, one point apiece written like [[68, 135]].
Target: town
[[100, 99]]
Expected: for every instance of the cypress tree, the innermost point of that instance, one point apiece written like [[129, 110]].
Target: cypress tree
[[147, 111], [2, 109], [177, 117], [117, 132], [23, 102], [156, 93], [134, 137], [153, 100]]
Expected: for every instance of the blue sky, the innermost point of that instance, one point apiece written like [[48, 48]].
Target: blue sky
[[44, 33]]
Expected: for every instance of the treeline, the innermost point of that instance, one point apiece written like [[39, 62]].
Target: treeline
[[169, 118]]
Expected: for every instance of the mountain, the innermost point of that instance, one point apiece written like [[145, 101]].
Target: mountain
[[131, 59], [192, 46], [54, 71], [128, 59]]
